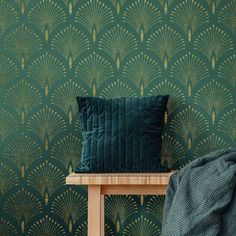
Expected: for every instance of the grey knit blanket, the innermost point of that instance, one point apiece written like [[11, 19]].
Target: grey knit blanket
[[201, 197]]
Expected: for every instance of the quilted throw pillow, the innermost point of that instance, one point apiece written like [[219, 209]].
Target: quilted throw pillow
[[121, 134]]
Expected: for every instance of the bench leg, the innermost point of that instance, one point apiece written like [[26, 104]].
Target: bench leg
[[95, 211], [102, 215]]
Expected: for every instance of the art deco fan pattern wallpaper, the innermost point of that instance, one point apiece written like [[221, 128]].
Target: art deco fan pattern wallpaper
[[54, 50]]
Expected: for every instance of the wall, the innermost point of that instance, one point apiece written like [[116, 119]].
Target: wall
[[53, 50]]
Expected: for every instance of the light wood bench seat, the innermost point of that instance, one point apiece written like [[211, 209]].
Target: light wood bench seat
[[115, 184]]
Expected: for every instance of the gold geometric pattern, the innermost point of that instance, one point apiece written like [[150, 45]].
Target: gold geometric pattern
[[22, 42], [189, 70], [55, 50], [227, 70], [165, 43], [119, 208], [118, 43], [82, 230], [8, 70], [227, 124], [46, 179], [142, 70], [8, 124], [213, 43], [94, 15], [213, 98], [117, 88], [8, 178], [64, 98], [47, 15], [155, 206], [7, 228], [9, 15], [46, 69], [94, 70], [24, 205], [172, 151], [189, 15], [176, 98], [46, 123], [141, 15], [46, 226], [210, 144], [189, 124], [68, 150], [22, 150], [141, 226], [70, 42], [70, 206], [227, 15], [26, 98]]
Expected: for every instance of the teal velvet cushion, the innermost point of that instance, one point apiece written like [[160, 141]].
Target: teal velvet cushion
[[121, 134]]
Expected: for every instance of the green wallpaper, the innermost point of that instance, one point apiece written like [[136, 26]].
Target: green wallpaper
[[53, 50]]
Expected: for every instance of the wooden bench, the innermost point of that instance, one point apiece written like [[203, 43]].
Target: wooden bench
[[115, 184]]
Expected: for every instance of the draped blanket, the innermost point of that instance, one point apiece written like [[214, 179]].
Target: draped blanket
[[201, 197]]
